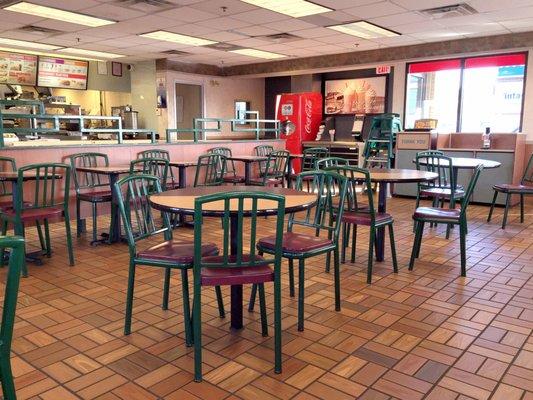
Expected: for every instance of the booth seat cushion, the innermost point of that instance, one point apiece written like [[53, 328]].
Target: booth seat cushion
[[433, 213], [296, 242], [176, 252], [214, 276], [508, 188]]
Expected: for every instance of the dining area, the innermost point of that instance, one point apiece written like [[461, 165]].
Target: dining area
[[321, 282]]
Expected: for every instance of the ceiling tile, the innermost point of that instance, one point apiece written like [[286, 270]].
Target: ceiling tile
[[260, 16], [112, 12], [390, 21], [493, 5], [256, 30], [442, 34], [251, 42], [192, 29], [224, 23], [375, 10], [18, 17], [70, 5], [223, 36], [313, 33], [290, 25], [418, 27], [186, 14], [216, 7], [512, 13], [424, 4], [342, 4]]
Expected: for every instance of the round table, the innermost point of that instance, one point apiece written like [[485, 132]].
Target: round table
[[383, 177], [462, 163], [182, 201]]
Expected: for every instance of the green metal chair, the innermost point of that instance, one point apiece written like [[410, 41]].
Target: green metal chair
[[230, 175], [263, 150], [356, 215], [330, 188], [524, 188], [424, 215], [172, 182], [49, 201], [157, 167], [139, 224], [239, 263], [5, 187], [90, 187], [275, 170], [210, 170], [309, 161], [16, 260], [328, 162]]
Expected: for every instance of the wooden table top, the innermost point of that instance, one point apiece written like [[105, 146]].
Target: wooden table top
[[190, 163], [182, 200], [466, 163], [109, 170], [12, 176], [248, 158], [401, 175]]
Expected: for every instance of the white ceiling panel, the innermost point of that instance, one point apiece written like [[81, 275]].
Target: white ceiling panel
[[494, 5], [186, 14], [224, 23], [223, 36], [390, 21], [418, 27], [374, 10], [217, 7], [342, 4], [70, 5], [256, 30], [423, 4], [112, 12], [290, 25], [260, 16], [192, 29]]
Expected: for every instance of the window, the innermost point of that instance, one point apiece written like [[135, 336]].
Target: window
[[484, 91]]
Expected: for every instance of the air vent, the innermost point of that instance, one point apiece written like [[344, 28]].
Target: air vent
[[39, 30], [175, 53], [147, 5], [279, 37], [455, 10], [223, 46]]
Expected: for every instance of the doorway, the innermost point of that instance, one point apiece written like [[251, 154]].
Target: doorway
[[189, 101]]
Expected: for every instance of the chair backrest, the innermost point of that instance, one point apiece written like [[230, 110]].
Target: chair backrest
[[151, 166], [11, 164], [439, 164], [311, 155], [470, 190], [154, 153], [263, 150], [16, 259], [243, 206], [226, 152], [331, 162], [330, 189], [88, 180], [527, 178], [47, 186], [210, 170], [276, 165], [137, 215]]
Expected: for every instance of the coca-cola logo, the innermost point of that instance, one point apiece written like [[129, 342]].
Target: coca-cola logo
[[308, 111]]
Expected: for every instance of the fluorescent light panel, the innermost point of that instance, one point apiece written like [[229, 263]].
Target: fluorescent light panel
[[83, 52], [258, 53], [364, 30], [57, 14], [40, 53], [177, 38], [31, 45], [292, 8]]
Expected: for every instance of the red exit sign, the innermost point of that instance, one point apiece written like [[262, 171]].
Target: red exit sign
[[383, 69]]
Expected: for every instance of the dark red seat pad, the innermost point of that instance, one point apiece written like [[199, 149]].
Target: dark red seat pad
[[96, 197], [433, 213], [296, 242], [508, 188], [234, 179], [213, 276], [176, 252], [34, 214], [441, 192], [362, 218]]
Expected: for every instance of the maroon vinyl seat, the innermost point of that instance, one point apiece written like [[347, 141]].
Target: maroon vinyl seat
[[364, 218], [213, 276], [509, 188], [172, 185], [175, 252], [437, 214], [268, 182], [296, 243], [100, 196], [4, 205], [33, 214], [234, 179], [441, 192]]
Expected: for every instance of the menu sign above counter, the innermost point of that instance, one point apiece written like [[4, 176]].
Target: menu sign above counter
[[62, 73], [18, 69]]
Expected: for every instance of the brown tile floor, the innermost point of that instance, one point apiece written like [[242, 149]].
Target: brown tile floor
[[422, 334]]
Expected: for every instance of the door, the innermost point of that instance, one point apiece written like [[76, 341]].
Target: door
[[188, 106]]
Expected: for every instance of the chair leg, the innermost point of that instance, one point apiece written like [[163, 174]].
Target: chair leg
[[253, 294], [197, 331], [393, 249], [8, 384], [354, 242], [95, 224], [416, 243], [522, 208], [69, 240], [40, 234], [220, 302], [262, 307], [277, 324], [328, 255], [337, 279], [507, 201], [462, 239], [492, 205], [166, 289], [301, 292], [186, 307], [420, 240], [370, 255], [291, 277], [343, 241], [449, 226], [129, 299], [47, 238], [79, 227], [2, 251], [417, 203]]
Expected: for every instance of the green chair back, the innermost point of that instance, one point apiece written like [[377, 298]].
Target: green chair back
[[311, 156], [154, 153], [88, 180], [527, 178], [276, 165], [210, 170], [16, 260], [327, 162], [263, 150], [470, 190], [357, 177], [226, 152], [11, 164], [330, 189], [151, 166], [439, 164], [132, 194]]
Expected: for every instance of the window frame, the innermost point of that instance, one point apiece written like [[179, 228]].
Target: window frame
[[461, 81]]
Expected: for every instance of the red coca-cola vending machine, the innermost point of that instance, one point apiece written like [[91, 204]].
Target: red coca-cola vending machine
[[300, 115]]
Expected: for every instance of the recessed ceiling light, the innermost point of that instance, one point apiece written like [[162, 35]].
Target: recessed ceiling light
[[258, 53], [293, 8], [83, 52], [60, 15], [364, 30], [31, 45], [177, 38]]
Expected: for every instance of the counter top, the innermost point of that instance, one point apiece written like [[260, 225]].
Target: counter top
[[478, 150]]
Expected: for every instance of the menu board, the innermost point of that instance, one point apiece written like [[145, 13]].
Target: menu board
[[62, 73], [18, 69]]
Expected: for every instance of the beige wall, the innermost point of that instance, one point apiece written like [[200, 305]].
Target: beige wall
[[143, 93], [89, 100]]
